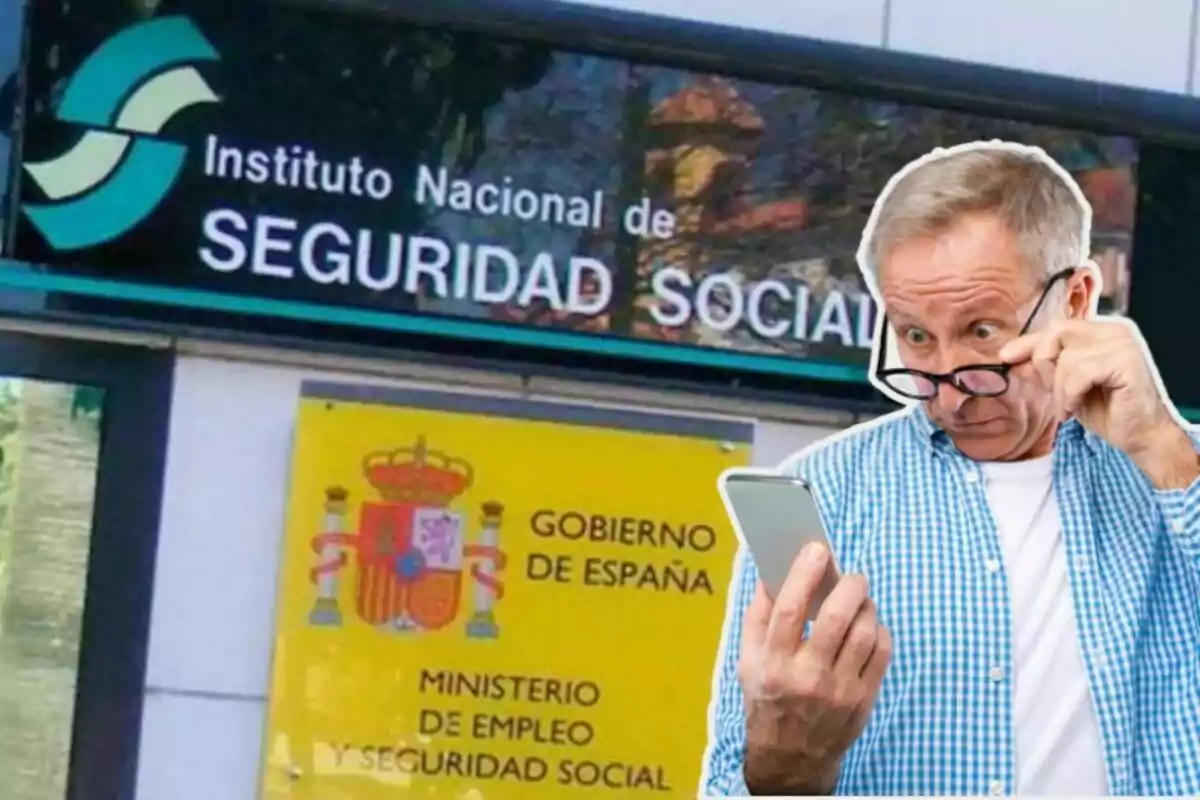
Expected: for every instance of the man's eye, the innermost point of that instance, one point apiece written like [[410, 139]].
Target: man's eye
[[916, 336], [984, 331]]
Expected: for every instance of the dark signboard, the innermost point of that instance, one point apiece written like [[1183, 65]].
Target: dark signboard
[[270, 159]]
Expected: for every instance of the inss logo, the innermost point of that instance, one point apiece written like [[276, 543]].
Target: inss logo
[[124, 93]]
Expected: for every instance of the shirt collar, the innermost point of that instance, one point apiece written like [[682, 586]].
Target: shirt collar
[[1070, 431]]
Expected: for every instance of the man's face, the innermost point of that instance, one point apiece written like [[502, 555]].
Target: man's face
[[955, 299]]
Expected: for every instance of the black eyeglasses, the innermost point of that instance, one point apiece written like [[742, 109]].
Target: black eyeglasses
[[976, 380]]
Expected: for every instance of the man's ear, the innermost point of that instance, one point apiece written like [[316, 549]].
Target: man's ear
[[1083, 291]]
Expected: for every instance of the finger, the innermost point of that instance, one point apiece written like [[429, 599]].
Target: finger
[[1077, 378], [860, 641], [1064, 332], [1068, 375], [877, 664], [838, 613], [1026, 373], [1020, 349], [1076, 331], [872, 677], [1045, 357], [756, 619], [1066, 369], [790, 612]]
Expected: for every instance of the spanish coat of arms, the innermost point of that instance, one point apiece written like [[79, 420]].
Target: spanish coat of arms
[[412, 554]]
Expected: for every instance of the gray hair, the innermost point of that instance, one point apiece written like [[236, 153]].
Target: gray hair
[[1039, 202]]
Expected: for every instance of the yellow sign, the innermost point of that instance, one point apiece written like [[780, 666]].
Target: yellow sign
[[485, 598]]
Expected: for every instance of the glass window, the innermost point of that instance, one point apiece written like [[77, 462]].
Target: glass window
[[12, 13], [50, 442]]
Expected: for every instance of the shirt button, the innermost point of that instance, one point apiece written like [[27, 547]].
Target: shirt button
[[1177, 526], [996, 674], [972, 477], [997, 788], [993, 565]]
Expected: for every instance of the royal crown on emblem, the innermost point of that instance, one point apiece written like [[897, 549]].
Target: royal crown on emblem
[[417, 475]]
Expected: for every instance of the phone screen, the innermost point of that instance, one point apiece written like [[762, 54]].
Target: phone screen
[[777, 516]]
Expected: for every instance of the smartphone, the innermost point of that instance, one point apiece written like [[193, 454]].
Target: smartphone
[[775, 516]]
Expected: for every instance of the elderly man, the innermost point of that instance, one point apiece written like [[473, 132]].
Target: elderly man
[[1019, 606]]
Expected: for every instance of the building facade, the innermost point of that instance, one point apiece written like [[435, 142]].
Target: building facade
[[280, 280]]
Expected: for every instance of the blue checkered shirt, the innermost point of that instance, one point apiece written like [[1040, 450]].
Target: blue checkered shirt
[[909, 512]]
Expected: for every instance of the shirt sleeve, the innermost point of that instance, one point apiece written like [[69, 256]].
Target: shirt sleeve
[[1181, 512], [725, 756]]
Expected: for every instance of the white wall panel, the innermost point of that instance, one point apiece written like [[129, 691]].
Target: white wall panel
[[1128, 42], [853, 21], [776, 441], [196, 748], [214, 592], [1194, 63]]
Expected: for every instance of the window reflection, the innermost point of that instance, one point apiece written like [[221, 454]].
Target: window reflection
[[49, 438], [11, 28]]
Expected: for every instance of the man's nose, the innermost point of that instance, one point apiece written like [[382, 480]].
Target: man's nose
[[949, 398]]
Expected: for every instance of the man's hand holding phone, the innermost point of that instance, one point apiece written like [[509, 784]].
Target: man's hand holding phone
[[807, 700]]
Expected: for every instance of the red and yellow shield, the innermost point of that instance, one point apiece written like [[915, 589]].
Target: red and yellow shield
[[410, 564]]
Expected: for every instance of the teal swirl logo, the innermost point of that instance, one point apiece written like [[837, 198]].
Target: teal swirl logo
[[118, 172]]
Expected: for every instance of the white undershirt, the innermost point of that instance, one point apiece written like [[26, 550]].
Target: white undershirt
[[1059, 750]]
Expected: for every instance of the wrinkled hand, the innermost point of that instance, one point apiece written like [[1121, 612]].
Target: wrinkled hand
[[808, 700], [1099, 373]]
